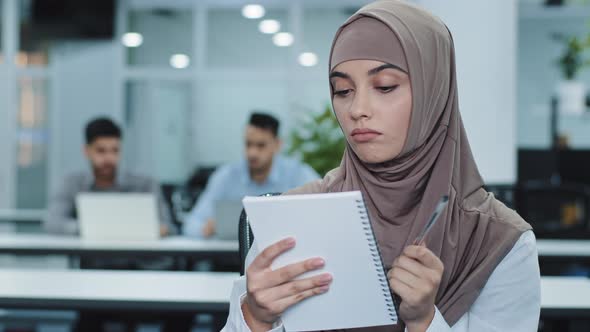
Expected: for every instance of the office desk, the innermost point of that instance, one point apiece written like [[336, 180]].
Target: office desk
[[563, 249], [203, 292], [178, 246], [565, 297], [22, 215], [11, 220]]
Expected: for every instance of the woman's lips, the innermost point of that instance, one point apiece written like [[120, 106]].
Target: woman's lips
[[363, 135]]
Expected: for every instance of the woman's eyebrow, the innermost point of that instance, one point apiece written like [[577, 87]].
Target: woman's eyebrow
[[339, 74], [370, 72], [383, 67]]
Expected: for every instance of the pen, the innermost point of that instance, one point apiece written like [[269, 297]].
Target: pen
[[439, 207]]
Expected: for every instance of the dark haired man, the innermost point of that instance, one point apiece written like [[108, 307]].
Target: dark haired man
[[103, 151], [262, 171]]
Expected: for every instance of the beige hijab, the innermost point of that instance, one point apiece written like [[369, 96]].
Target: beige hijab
[[475, 231]]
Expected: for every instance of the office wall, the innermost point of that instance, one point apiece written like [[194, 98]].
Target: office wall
[[158, 136], [219, 109], [484, 33], [6, 145], [165, 32], [84, 88], [242, 71], [537, 77]]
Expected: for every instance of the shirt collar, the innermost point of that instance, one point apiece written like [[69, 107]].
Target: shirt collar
[[120, 179], [273, 177]]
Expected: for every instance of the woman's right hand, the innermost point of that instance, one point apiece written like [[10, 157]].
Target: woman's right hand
[[270, 293]]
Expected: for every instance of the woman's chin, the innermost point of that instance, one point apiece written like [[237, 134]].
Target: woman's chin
[[375, 157]]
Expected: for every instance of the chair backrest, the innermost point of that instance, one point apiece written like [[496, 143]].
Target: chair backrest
[[246, 237]]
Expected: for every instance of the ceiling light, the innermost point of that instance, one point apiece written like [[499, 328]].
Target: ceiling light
[[180, 61], [308, 59], [132, 39], [283, 39], [253, 11], [269, 26]]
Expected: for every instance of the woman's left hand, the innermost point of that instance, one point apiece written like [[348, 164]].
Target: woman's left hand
[[415, 277]]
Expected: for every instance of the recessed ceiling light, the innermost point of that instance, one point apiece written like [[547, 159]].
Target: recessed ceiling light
[[179, 61], [253, 11], [269, 26], [132, 39], [283, 39], [308, 59]]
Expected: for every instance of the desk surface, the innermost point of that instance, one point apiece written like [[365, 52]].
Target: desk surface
[[47, 242], [55, 244], [21, 215], [563, 248], [565, 293], [565, 297], [192, 291], [44, 244], [131, 290]]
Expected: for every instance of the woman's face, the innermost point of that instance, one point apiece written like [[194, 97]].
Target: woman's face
[[373, 103]]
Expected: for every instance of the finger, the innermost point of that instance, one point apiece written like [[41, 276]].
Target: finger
[[268, 255], [424, 256], [393, 264], [285, 303], [298, 286], [292, 271], [400, 288], [406, 277], [411, 265]]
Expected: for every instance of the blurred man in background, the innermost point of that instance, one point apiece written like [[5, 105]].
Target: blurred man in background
[[103, 151], [262, 171]]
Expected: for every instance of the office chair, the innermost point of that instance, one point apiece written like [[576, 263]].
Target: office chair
[[246, 237], [179, 200], [503, 192]]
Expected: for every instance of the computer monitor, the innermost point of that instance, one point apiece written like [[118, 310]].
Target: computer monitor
[[574, 166], [536, 165]]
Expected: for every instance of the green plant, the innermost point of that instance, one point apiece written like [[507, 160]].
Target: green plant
[[572, 59], [318, 141]]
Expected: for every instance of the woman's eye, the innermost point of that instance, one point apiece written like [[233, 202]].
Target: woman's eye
[[386, 89], [342, 93]]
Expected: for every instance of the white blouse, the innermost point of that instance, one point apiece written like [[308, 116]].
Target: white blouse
[[510, 300]]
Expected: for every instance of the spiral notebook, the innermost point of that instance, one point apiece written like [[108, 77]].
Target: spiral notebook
[[336, 227]]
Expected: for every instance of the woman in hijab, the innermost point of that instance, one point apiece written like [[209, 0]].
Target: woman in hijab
[[394, 93]]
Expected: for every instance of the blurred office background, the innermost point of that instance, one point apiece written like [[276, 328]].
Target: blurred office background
[[182, 76]]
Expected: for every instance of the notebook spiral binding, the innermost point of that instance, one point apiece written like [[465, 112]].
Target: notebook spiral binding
[[377, 260]]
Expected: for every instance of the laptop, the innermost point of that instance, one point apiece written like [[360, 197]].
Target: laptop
[[227, 217], [118, 216]]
